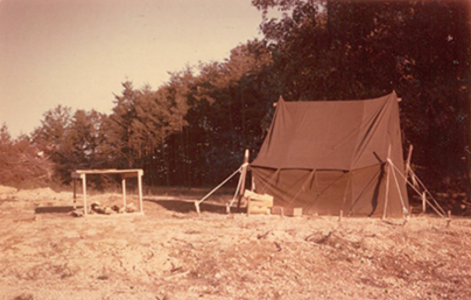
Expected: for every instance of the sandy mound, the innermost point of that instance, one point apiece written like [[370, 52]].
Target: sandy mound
[[7, 191], [36, 194]]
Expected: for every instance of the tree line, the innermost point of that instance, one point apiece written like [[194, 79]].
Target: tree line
[[192, 130]]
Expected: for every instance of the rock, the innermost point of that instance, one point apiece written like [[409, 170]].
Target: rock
[[77, 213], [108, 211], [130, 208], [24, 296]]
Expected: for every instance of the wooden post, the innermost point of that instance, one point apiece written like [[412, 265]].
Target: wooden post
[[409, 156], [140, 173], [237, 191], [388, 171], [123, 186], [84, 186], [340, 216], [243, 177]]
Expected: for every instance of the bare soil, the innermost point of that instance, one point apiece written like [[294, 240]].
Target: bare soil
[[172, 253]]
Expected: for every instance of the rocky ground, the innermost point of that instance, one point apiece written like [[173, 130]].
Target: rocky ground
[[172, 253]]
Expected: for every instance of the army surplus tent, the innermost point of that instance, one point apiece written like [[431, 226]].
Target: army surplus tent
[[333, 155]]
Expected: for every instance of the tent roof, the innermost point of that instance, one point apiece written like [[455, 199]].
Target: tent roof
[[334, 135]]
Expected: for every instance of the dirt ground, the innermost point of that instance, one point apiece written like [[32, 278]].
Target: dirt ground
[[172, 253]]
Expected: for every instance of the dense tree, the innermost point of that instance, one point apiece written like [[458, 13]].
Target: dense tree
[[227, 105], [53, 127], [85, 139], [51, 138], [119, 127], [21, 163], [143, 122], [357, 49], [193, 129]]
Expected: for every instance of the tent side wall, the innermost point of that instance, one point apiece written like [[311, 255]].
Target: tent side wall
[[324, 192]]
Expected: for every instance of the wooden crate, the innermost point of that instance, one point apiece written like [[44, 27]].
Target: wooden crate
[[287, 211], [258, 203]]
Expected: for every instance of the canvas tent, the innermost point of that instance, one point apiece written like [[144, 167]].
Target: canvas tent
[[332, 156]]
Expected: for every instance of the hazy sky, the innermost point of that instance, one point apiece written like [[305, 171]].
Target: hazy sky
[[77, 52]]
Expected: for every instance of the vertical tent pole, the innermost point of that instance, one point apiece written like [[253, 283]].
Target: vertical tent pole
[[243, 177], [237, 191], [388, 171], [123, 186]]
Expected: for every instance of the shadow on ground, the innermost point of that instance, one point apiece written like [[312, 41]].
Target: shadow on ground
[[180, 206], [183, 206], [54, 209]]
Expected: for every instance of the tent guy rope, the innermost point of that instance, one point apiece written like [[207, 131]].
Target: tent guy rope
[[240, 185], [439, 210]]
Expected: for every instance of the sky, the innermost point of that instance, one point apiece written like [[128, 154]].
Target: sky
[[77, 53]]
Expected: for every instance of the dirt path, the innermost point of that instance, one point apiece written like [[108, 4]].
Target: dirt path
[[171, 253]]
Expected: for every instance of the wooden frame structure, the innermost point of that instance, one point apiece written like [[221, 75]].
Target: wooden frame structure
[[125, 173]]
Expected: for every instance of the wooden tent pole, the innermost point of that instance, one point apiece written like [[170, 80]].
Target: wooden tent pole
[[388, 171], [404, 209], [409, 156], [239, 193], [243, 177]]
